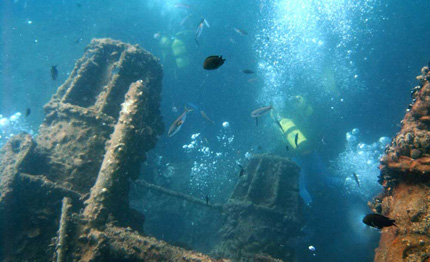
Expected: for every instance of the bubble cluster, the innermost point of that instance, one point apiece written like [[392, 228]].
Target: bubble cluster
[[309, 41], [361, 159], [212, 171], [13, 125]]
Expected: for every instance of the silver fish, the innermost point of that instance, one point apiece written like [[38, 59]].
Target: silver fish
[[185, 19], [261, 111], [176, 126], [240, 32], [200, 28]]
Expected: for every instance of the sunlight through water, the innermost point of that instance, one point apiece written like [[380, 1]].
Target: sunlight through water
[[309, 47]]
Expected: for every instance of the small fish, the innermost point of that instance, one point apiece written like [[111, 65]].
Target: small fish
[[79, 5], [240, 32], [54, 72], [241, 169], [296, 139], [199, 30], [207, 199], [256, 121], [261, 111], [193, 106], [157, 36], [185, 19], [286, 147], [182, 5], [247, 71], [378, 221], [279, 125], [176, 126], [27, 112], [206, 117], [213, 62], [356, 179]]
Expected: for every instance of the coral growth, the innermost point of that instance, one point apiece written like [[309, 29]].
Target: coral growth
[[405, 176]]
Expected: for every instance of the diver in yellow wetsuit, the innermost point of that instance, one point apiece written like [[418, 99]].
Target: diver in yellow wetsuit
[[175, 50], [292, 127]]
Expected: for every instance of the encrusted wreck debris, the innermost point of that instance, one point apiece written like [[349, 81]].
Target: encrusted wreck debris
[[64, 197], [263, 212], [405, 176]]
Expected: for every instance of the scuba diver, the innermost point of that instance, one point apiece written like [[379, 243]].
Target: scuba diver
[[175, 50], [299, 127], [295, 138]]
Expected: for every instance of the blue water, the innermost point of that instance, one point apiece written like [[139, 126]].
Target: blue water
[[354, 62]]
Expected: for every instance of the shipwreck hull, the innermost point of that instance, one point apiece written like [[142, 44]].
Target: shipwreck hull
[[64, 195]]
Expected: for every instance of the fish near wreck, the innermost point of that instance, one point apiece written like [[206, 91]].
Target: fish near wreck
[[54, 72], [240, 31], [247, 71], [260, 112], [177, 124], [199, 30], [213, 62], [378, 221]]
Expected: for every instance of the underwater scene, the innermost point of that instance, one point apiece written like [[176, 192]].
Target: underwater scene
[[228, 130]]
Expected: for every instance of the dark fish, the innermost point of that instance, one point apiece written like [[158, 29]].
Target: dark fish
[[279, 125], [286, 147], [240, 32], [261, 111], [356, 179], [378, 221], [247, 71], [256, 121], [27, 112], [207, 199], [54, 72], [79, 5], [213, 62], [241, 170], [296, 139]]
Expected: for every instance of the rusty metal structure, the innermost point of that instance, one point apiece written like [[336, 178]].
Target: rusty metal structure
[[405, 177], [64, 194], [262, 214], [263, 211]]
